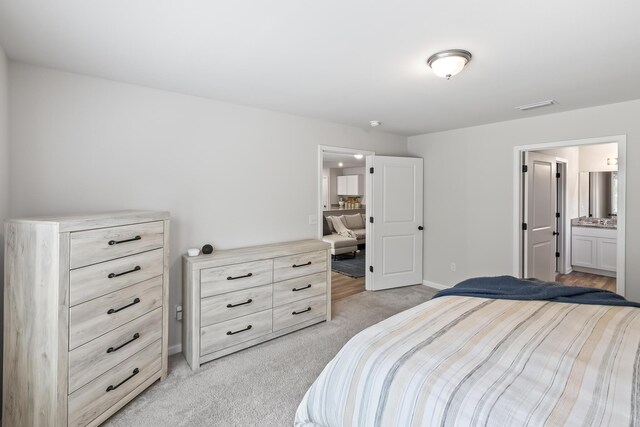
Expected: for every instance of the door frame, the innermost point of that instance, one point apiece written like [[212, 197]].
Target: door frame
[[368, 197], [518, 153], [564, 262]]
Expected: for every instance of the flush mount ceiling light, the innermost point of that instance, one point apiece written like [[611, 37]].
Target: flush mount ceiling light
[[358, 156], [375, 123], [536, 105], [612, 161], [448, 62], [340, 164]]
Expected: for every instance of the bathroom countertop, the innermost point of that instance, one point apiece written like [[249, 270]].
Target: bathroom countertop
[[595, 223]]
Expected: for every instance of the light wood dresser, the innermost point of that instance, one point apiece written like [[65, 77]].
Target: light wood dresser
[[85, 315], [233, 299]]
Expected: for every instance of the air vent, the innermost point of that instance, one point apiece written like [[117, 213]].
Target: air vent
[[536, 105]]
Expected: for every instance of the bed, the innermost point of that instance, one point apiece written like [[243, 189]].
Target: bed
[[482, 356]]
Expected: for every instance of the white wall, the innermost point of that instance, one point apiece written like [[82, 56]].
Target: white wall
[[226, 172], [593, 158], [469, 188], [4, 175]]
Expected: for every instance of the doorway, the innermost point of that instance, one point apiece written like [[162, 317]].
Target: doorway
[[342, 217], [373, 217], [570, 212]]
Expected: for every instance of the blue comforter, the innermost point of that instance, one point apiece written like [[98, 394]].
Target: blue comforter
[[508, 287]]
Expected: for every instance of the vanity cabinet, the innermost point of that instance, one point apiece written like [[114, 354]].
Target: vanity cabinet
[[594, 248], [351, 185], [237, 298]]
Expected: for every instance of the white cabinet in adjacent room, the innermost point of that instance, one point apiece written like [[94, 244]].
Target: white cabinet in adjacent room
[[594, 249], [350, 185]]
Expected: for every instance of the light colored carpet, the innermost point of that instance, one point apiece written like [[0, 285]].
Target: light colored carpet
[[262, 385]]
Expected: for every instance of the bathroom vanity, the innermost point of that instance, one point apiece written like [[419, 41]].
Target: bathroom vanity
[[594, 246]]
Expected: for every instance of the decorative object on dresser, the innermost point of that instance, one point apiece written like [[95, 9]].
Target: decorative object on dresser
[[86, 315], [238, 298]]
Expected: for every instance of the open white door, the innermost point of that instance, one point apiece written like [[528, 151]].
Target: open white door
[[396, 258], [539, 223]]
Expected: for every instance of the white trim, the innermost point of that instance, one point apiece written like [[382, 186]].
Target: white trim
[[175, 349], [621, 140], [435, 285]]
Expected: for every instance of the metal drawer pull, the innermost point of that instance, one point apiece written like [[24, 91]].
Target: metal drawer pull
[[239, 277], [300, 312], [237, 332], [113, 387], [249, 301], [301, 265], [301, 289], [112, 349], [115, 310], [136, 268], [116, 242]]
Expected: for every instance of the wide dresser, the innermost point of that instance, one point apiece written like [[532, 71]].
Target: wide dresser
[[85, 315], [237, 298]]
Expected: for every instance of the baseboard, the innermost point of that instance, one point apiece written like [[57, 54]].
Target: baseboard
[[175, 349], [435, 285]]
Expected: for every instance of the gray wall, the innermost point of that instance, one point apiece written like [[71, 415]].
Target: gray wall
[[469, 188], [230, 175]]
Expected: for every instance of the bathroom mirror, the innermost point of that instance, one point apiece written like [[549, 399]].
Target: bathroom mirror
[[598, 194]]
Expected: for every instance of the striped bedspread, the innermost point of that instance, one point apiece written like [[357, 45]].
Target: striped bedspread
[[466, 361]]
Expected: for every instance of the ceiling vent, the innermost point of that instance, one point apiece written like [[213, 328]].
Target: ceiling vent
[[536, 105]]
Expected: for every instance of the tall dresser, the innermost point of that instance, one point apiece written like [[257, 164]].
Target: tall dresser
[[237, 298], [85, 315]]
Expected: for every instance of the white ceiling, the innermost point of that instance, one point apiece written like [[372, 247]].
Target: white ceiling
[[333, 160], [345, 61]]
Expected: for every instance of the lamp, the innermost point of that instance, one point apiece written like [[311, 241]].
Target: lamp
[[449, 62]]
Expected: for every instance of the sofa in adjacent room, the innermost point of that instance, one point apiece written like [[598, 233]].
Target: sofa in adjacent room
[[334, 233]]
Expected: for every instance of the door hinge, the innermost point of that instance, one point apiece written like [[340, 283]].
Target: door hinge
[[371, 268], [557, 214], [557, 174], [557, 254], [371, 219], [370, 170], [524, 225], [525, 168]]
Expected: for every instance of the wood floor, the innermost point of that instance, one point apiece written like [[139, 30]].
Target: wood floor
[[343, 286], [577, 278]]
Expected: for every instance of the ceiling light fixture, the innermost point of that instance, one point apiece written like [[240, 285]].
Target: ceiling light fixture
[[358, 156], [375, 123], [448, 63], [612, 161], [536, 105], [340, 164]]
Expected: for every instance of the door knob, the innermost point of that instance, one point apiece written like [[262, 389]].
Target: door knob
[[420, 228]]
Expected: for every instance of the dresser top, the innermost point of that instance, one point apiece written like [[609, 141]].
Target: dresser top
[[79, 222], [253, 253]]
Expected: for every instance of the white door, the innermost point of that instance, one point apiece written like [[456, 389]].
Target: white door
[[325, 192], [540, 217], [396, 256]]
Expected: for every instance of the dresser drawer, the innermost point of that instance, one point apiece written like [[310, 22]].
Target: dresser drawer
[[94, 246], [98, 356], [93, 399], [299, 288], [227, 306], [292, 266], [100, 279], [225, 334], [93, 318], [299, 311], [220, 280]]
